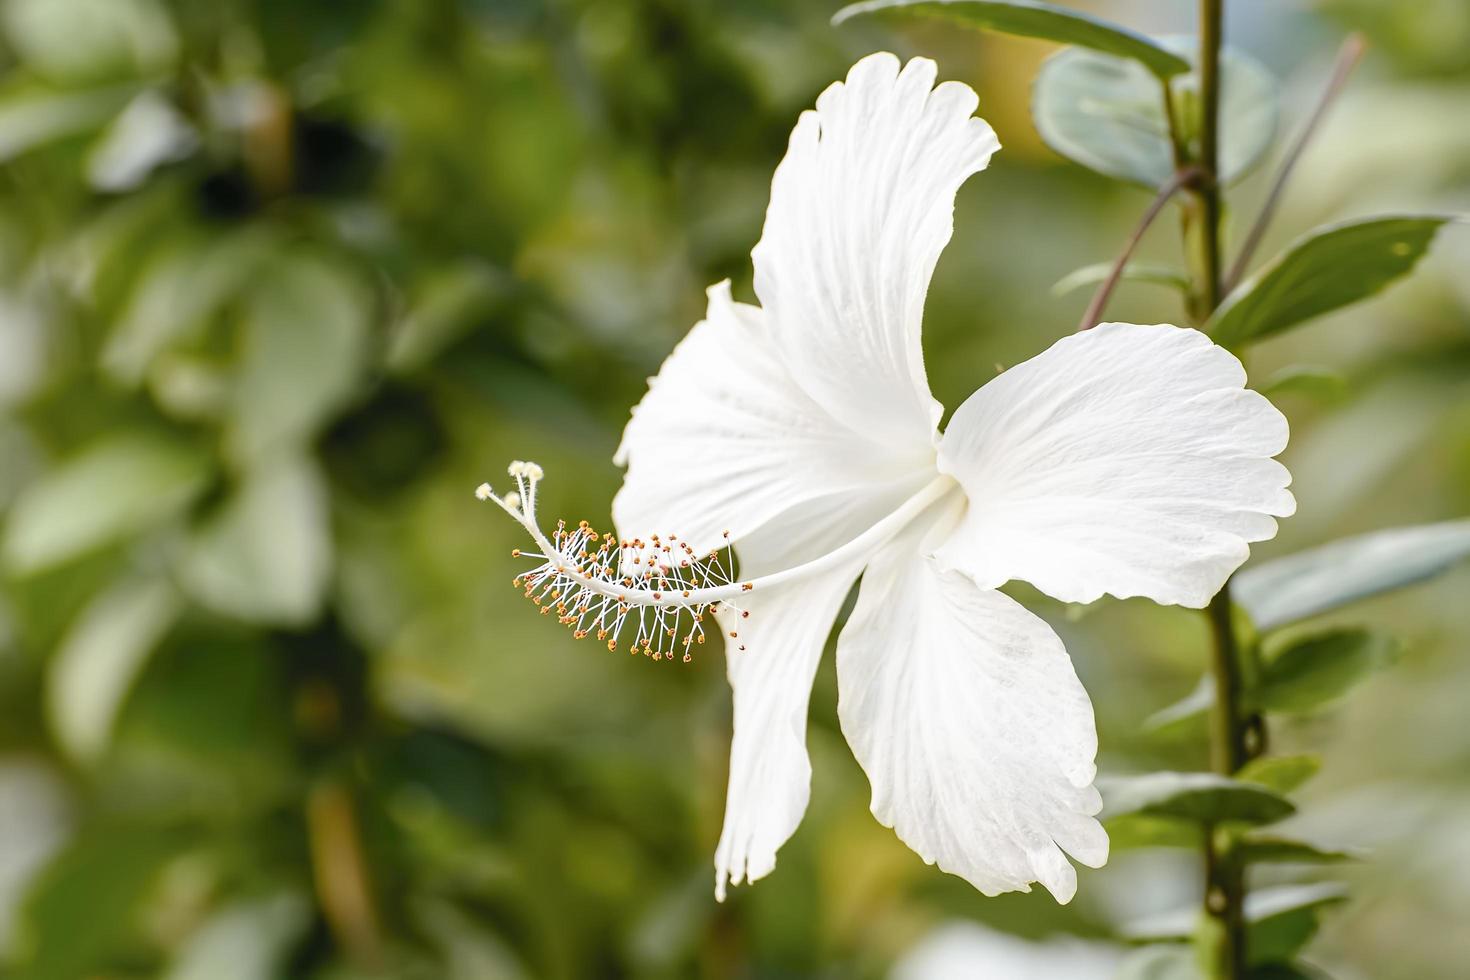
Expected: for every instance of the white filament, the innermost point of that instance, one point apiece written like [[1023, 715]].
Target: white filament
[[599, 585]]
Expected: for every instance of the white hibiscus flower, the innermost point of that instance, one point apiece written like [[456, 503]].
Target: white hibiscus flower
[[1128, 460]]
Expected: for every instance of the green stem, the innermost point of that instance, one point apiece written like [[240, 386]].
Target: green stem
[[1228, 720], [1211, 14], [1224, 899], [1229, 750]]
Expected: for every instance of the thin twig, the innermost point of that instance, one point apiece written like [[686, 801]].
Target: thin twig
[[1348, 57], [1094, 311]]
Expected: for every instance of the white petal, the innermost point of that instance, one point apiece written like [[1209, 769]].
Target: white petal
[[725, 440], [963, 709], [822, 394], [861, 207], [770, 775], [1127, 459], [770, 666]]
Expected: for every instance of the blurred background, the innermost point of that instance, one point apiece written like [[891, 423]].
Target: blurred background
[[282, 281]]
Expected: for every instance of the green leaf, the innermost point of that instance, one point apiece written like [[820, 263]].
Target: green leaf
[[1273, 915], [1031, 19], [248, 940], [177, 294], [1193, 704], [37, 817], [293, 378], [1311, 582], [1284, 919], [476, 950], [1282, 937], [1135, 830], [208, 727], [1324, 271], [1282, 773], [1149, 272], [449, 305], [149, 133], [1317, 383], [1171, 962], [267, 556], [1275, 849], [1107, 114], [1198, 797], [108, 492], [83, 39], [1264, 904], [32, 117], [100, 657], [1285, 971], [1320, 669], [77, 912]]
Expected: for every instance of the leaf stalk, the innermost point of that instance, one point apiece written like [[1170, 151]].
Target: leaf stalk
[[1348, 57]]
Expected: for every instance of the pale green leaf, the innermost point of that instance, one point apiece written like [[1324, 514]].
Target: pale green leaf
[[1198, 797], [1195, 703], [448, 306], [1107, 114], [98, 660], [149, 133], [1027, 18], [1134, 830], [1172, 962], [1311, 582], [35, 821], [1263, 906], [1285, 971], [81, 39], [1149, 272], [1319, 669], [474, 949], [1317, 383], [178, 292], [305, 343], [67, 918], [1276, 849], [32, 117], [246, 940], [1324, 271], [267, 555], [1282, 773], [1281, 937], [27, 341], [108, 492]]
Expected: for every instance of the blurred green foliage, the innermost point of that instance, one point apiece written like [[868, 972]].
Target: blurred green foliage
[[282, 281]]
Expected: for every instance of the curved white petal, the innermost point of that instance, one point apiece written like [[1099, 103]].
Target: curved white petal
[[1126, 459], [770, 665], [822, 393], [977, 737], [725, 440], [861, 207]]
